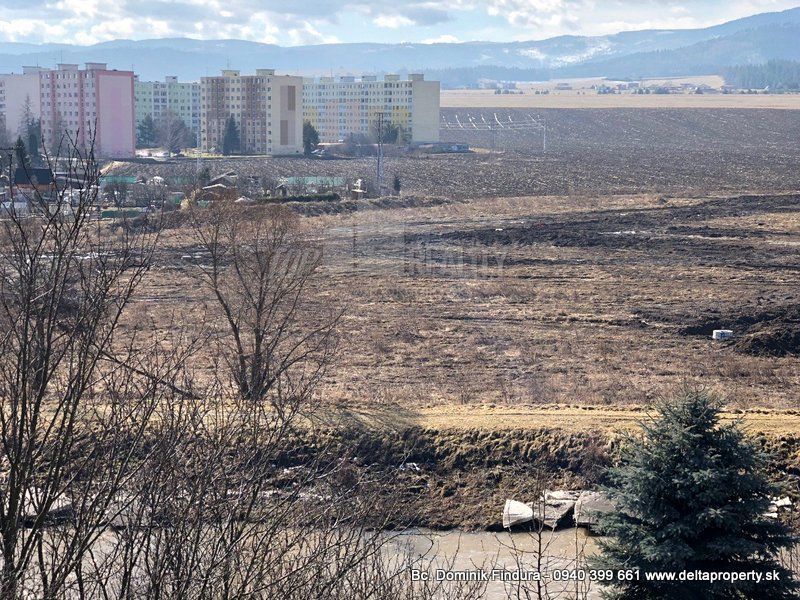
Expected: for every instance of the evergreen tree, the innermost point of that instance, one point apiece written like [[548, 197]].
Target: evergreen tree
[[33, 141], [780, 75], [230, 142], [691, 495], [146, 133], [21, 154], [26, 118], [204, 177], [310, 138]]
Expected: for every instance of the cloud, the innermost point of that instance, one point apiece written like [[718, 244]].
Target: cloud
[[427, 16], [442, 39], [538, 13], [291, 22], [392, 21]]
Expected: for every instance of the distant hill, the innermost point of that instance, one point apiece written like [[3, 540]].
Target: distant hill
[[651, 53], [752, 46]]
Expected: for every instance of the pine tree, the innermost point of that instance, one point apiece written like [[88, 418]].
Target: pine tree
[[691, 495], [310, 138], [230, 142], [146, 133], [33, 141], [21, 154]]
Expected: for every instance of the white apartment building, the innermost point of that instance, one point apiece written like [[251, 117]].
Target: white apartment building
[[18, 93], [267, 109], [182, 98], [93, 105], [340, 106]]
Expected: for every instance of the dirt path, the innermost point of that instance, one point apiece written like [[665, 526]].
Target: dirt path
[[567, 418]]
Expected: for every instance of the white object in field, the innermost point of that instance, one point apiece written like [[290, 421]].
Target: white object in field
[[515, 513], [722, 334]]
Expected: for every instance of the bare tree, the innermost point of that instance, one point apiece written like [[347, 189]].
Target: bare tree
[[277, 342], [128, 473], [172, 133], [63, 404]]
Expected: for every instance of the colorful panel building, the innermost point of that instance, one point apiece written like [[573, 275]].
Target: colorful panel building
[[267, 109], [338, 107], [93, 106]]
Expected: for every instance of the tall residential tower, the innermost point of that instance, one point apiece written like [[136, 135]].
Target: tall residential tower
[[340, 106], [156, 98], [266, 107], [93, 105]]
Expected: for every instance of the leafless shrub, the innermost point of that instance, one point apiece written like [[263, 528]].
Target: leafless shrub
[[128, 473], [71, 416]]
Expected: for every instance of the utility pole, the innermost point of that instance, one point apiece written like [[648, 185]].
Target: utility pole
[[198, 153], [379, 170], [544, 137]]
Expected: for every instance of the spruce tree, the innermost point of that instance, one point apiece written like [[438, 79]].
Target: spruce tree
[[691, 495], [230, 142], [310, 138], [34, 136], [21, 154], [146, 132]]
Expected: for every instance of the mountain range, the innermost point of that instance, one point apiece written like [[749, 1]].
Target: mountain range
[[632, 54]]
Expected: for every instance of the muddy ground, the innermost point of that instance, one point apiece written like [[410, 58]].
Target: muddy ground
[[589, 151], [462, 478], [665, 238]]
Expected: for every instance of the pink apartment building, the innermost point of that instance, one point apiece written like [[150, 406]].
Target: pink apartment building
[[94, 103]]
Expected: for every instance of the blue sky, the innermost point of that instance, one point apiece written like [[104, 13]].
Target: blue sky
[[292, 22]]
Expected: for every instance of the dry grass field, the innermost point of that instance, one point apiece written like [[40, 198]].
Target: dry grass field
[[599, 301], [589, 99], [514, 308], [591, 276]]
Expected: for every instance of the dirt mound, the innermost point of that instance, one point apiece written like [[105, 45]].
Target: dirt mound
[[773, 332], [771, 339]]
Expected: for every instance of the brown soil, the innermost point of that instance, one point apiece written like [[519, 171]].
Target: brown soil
[[590, 151]]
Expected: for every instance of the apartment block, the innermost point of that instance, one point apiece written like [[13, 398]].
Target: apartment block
[[155, 98], [19, 93], [91, 104], [267, 109], [340, 106]]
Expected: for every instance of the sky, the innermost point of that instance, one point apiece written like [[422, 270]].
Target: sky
[[295, 22]]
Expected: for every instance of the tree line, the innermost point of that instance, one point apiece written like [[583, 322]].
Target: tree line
[[777, 75]]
